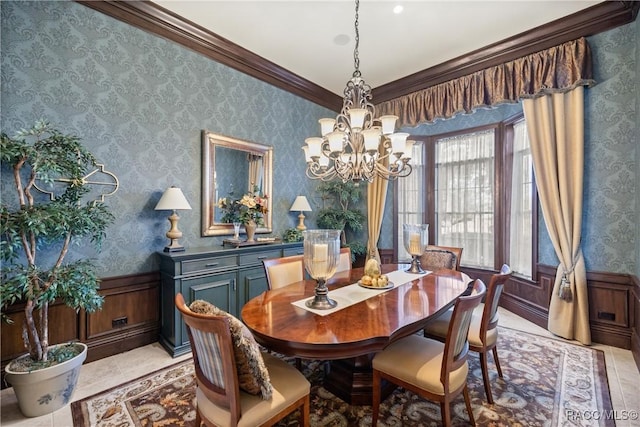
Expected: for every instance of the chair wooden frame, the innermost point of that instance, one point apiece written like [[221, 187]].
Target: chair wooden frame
[[455, 352], [274, 263], [489, 322], [228, 397], [456, 251], [344, 262]]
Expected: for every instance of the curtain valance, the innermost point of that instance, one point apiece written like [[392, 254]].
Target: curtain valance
[[557, 69]]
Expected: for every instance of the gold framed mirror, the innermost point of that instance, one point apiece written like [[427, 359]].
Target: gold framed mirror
[[233, 167]]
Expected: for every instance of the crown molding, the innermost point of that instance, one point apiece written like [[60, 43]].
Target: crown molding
[[593, 20], [155, 19]]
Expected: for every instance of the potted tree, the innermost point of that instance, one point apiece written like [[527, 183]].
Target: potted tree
[[338, 213], [36, 232]]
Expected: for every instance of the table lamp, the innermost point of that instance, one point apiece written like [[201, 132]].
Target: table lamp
[[301, 204], [173, 200]]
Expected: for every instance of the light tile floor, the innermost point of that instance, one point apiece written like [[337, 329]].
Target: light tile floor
[[624, 379]]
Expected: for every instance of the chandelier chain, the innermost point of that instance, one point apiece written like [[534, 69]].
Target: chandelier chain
[[357, 146], [356, 59]]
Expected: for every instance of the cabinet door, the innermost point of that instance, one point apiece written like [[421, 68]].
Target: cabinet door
[[251, 283], [219, 289]]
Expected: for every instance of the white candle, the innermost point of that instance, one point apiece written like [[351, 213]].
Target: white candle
[[415, 248], [320, 257]]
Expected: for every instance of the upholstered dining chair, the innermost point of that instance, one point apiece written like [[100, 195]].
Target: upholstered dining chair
[[438, 257], [237, 384], [434, 370], [483, 332], [344, 262], [284, 271]]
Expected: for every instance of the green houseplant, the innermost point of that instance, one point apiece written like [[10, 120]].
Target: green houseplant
[[338, 212], [36, 232]]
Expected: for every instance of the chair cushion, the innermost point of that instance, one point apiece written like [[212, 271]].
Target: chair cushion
[[418, 361], [253, 376], [435, 259], [289, 385]]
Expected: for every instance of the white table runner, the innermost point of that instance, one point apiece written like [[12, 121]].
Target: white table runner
[[354, 293]]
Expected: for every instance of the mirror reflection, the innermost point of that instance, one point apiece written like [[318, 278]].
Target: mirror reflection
[[231, 168]]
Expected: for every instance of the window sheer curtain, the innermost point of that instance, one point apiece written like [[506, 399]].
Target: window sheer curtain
[[541, 79], [410, 211], [521, 203], [464, 195]]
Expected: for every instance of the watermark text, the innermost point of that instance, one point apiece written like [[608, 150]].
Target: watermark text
[[617, 415]]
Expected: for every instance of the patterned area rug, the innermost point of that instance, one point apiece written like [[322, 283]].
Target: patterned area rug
[[547, 382]]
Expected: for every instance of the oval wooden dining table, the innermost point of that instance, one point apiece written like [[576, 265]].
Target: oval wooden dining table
[[349, 337]]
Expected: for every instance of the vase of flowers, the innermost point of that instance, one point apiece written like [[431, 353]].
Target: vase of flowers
[[248, 210]]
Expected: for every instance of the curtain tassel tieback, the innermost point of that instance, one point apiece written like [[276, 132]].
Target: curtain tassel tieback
[[564, 291]]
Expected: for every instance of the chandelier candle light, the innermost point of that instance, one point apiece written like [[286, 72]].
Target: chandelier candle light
[[416, 240], [356, 146], [321, 254]]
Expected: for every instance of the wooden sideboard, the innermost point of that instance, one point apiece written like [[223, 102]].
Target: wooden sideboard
[[226, 277]]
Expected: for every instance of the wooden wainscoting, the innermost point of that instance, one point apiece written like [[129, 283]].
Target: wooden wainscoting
[[614, 302], [129, 318], [611, 303], [635, 321]]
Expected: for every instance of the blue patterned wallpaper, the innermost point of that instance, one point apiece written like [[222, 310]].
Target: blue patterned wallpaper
[[139, 103], [610, 229], [637, 141], [611, 220]]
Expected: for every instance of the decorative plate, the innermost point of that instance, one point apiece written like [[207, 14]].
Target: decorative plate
[[389, 285]]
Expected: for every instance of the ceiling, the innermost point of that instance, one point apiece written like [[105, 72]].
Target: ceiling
[[316, 39]]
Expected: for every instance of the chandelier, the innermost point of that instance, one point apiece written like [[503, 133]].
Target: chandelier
[[356, 146]]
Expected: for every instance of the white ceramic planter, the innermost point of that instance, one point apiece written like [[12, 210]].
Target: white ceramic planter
[[46, 390]]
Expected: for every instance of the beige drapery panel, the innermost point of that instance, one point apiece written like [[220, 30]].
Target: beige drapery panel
[[551, 84], [376, 199], [556, 131], [559, 68]]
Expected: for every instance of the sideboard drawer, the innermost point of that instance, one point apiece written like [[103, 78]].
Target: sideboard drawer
[[257, 257], [293, 251], [209, 264]]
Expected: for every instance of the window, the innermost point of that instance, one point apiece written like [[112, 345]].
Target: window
[[410, 207], [475, 189], [464, 171], [522, 197]]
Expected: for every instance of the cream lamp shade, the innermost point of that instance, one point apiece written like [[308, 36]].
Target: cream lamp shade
[[301, 204], [173, 200]]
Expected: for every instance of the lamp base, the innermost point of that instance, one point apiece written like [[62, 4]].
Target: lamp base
[[174, 248], [415, 266], [301, 225], [321, 301]]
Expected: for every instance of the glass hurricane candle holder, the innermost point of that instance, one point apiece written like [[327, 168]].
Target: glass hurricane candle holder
[[321, 254], [416, 240]]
